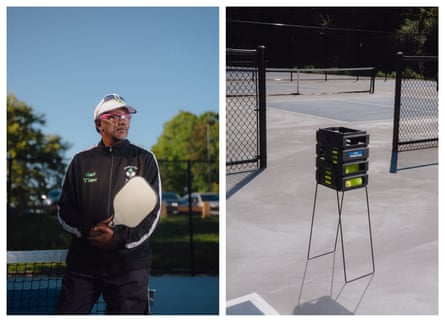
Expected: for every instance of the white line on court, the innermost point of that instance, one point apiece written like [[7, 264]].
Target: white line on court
[[254, 299]]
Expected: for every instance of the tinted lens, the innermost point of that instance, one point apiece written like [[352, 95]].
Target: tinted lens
[[115, 117]]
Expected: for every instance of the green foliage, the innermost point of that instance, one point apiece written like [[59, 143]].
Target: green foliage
[[355, 36], [35, 232], [171, 245], [189, 137], [417, 35], [387, 75], [35, 159]]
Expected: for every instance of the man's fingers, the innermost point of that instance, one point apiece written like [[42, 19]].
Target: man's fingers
[[107, 221], [103, 229], [101, 236]]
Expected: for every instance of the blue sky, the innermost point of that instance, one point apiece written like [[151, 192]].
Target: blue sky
[[62, 60]]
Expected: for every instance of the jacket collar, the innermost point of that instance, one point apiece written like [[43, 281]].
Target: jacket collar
[[118, 148]]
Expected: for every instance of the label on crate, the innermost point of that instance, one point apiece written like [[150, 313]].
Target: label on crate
[[355, 154]]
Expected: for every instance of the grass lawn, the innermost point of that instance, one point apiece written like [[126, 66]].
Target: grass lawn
[[170, 242]]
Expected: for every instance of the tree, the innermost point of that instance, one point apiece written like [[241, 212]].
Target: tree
[[35, 159], [334, 36], [417, 35], [204, 146], [188, 137]]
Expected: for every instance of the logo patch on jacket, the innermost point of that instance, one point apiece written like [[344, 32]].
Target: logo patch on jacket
[[130, 172], [90, 177]]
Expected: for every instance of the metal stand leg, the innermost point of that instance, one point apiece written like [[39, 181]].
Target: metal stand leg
[[312, 226], [340, 228]]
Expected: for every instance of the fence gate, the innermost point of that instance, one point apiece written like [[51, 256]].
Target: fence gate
[[416, 105], [245, 110]]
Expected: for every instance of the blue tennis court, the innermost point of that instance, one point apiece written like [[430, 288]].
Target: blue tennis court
[[269, 218], [185, 295], [338, 100], [173, 295], [356, 108]]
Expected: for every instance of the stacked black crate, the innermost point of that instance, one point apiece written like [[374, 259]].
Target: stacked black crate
[[342, 158]]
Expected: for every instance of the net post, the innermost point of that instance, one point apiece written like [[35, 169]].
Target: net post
[[298, 82], [372, 85]]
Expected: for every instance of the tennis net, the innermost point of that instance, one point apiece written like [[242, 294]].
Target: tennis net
[[34, 281], [297, 81]]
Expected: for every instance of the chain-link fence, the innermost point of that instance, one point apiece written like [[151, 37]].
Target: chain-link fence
[[33, 185], [245, 110], [185, 241], [416, 105]]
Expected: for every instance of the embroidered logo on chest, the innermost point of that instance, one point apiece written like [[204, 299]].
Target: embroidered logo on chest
[[130, 172], [90, 177]]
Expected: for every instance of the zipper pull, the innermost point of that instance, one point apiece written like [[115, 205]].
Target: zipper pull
[[111, 149]]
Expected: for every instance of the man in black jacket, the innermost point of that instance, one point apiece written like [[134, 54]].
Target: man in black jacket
[[112, 261]]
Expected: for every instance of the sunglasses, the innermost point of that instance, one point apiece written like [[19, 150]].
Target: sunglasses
[[113, 97], [116, 117]]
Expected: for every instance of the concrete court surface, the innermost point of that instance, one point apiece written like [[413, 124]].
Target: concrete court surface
[[268, 219]]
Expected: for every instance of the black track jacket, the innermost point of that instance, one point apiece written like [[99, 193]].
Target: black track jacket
[[92, 180]]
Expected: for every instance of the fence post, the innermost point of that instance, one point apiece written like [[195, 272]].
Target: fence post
[[398, 89], [262, 105], [9, 181], [189, 190]]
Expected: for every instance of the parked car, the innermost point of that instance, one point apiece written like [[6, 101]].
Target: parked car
[[198, 198], [52, 198], [172, 201], [49, 202]]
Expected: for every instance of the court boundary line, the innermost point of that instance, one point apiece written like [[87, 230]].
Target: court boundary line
[[256, 300]]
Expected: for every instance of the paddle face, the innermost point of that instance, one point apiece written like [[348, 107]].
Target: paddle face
[[133, 202]]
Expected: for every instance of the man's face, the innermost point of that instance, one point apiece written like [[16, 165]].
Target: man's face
[[114, 125]]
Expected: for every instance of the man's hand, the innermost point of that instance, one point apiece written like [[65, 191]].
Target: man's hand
[[101, 235]]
